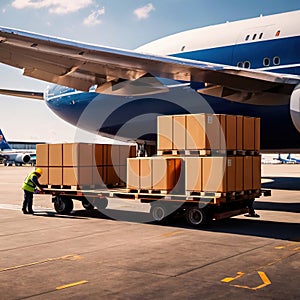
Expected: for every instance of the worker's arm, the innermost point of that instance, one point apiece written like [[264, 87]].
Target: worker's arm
[[36, 182]]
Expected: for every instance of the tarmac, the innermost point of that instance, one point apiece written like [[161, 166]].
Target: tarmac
[[87, 255]]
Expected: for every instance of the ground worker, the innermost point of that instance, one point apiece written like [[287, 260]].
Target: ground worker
[[29, 186]]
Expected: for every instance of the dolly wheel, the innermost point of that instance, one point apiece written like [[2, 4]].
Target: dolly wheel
[[87, 205], [160, 213], [63, 205], [197, 217]]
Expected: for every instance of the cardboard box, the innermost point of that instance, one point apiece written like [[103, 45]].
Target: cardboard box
[[203, 131], [256, 172], [44, 179], [222, 119], [145, 173], [70, 176], [98, 154], [231, 174], [179, 132], [193, 174], [214, 174], [55, 175], [239, 177], [248, 133], [78, 176], [125, 152], [99, 176], [164, 132], [248, 173], [165, 173], [133, 173], [42, 155], [239, 132], [122, 175], [112, 178], [231, 132], [257, 135], [55, 155], [77, 154]]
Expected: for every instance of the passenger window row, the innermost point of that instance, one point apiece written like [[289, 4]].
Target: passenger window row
[[266, 62]]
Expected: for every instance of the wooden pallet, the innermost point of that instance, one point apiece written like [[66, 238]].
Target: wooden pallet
[[208, 152]]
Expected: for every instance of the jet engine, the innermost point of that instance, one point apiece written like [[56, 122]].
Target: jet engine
[[22, 158], [295, 107]]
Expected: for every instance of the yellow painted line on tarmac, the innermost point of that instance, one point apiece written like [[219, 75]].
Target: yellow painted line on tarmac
[[65, 257], [287, 245], [168, 234], [229, 279], [266, 281], [71, 285], [264, 278], [280, 247]]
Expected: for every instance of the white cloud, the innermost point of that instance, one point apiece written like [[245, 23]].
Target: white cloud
[[93, 18], [55, 6], [143, 12]]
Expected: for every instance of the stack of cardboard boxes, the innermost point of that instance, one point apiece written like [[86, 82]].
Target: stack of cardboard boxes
[[81, 164], [209, 153]]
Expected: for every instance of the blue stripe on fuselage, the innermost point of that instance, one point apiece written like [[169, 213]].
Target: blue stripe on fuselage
[[287, 49]]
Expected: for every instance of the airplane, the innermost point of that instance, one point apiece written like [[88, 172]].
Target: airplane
[[297, 161], [10, 156], [285, 160], [249, 67]]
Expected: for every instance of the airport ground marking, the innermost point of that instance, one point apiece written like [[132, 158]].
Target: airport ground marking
[[229, 279], [65, 257], [266, 281], [288, 246], [71, 285], [168, 234]]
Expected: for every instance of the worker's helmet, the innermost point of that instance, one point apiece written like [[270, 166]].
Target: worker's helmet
[[39, 171]]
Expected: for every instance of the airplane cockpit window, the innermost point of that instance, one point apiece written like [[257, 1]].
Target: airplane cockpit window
[[261, 35], [56, 90], [247, 37], [254, 36], [277, 33], [182, 48]]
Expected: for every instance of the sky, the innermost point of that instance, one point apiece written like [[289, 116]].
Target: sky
[[123, 24]]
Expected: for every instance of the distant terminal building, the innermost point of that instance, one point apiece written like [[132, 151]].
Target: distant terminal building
[[24, 145]]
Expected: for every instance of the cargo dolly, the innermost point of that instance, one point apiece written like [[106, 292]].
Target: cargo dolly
[[199, 209]]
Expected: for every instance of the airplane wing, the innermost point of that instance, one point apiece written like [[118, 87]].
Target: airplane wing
[[23, 94], [81, 66]]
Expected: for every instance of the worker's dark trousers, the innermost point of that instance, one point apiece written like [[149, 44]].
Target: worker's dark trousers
[[28, 199]]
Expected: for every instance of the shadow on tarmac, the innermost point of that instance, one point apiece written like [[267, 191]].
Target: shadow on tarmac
[[282, 183], [239, 226], [278, 206]]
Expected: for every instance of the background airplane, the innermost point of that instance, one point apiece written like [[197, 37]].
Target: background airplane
[[15, 156], [234, 68], [285, 160], [297, 161]]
